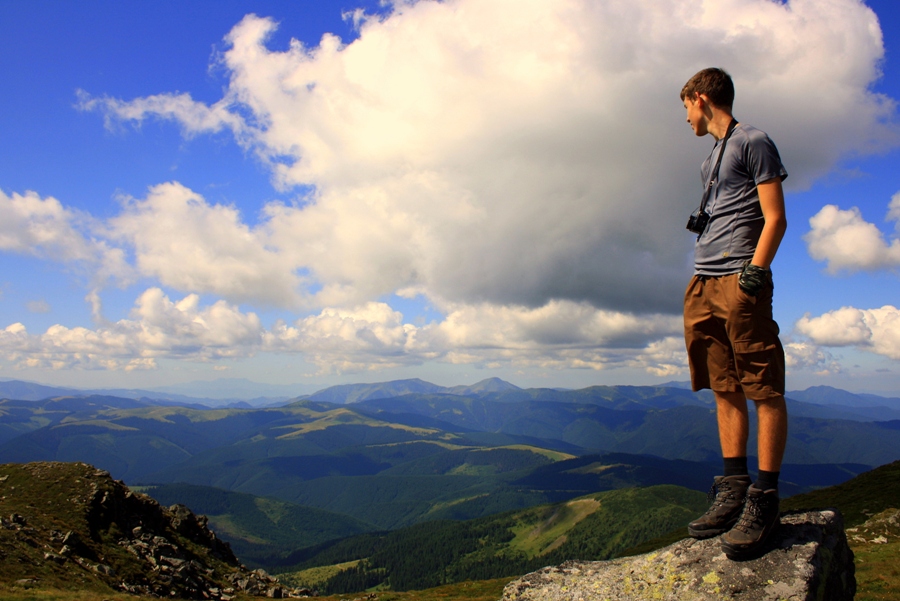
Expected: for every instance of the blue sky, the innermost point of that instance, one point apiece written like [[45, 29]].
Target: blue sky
[[451, 191]]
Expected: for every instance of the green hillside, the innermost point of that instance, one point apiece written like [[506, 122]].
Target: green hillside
[[857, 499], [596, 526], [258, 528], [70, 526], [669, 427], [141, 443], [400, 461], [386, 484]]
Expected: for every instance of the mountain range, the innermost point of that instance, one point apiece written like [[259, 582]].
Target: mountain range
[[240, 392], [393, 461], [72, 530], [363, 460]]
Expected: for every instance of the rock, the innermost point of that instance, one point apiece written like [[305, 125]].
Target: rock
[[808, 558], [54, 557], [108, 535], [879, 529]]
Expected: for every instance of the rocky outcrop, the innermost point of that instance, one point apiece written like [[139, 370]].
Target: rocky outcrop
[[72, 526], [807, 559]]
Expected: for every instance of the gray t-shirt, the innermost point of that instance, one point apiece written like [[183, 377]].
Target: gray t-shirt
[[736, 219]]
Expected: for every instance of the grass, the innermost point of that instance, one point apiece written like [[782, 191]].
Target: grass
[[313, 577], [26, 593], [876, 547], [483, 590], [858, 499], [538, 539], [877, 572]]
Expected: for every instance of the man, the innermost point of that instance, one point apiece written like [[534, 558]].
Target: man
[[731, 338]]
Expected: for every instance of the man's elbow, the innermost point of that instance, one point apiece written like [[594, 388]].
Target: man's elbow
[[780, 224]]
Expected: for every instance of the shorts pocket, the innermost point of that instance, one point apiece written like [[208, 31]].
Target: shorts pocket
[[743, 298], [755, 360]]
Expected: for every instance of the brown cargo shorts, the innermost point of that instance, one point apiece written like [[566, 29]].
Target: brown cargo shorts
[[731, 338]]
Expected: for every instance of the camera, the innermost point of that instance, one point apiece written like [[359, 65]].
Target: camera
[[697, 221]]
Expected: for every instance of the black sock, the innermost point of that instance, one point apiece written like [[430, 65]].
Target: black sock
[[767, 480], [736, 466]]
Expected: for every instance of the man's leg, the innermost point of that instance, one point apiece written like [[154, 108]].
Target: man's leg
[[772, 437], [734, 423], [760, 516], [730, 489]]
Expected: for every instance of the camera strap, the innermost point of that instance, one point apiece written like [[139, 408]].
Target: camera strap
[[715, 173]]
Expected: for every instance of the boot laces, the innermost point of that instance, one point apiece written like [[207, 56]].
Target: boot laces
[[718, 494], [712, 493], [752, 514]]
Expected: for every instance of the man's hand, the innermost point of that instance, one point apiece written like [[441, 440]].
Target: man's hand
[[753, 279]]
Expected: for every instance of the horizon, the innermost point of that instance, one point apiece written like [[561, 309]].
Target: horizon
[[183, 388], [321, 192]]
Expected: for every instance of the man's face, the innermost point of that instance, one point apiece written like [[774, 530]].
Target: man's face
[[695, 116]]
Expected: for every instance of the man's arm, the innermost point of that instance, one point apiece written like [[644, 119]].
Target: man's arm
[[771, 200]]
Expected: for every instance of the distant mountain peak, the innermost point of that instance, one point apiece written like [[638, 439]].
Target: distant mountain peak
[[828, 395], [354, 393], [486, 385]]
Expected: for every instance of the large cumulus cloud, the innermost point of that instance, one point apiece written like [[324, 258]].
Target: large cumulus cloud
[[525, 166], [516, 153]]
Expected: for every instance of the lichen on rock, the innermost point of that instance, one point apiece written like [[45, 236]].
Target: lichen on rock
[[808, 558]]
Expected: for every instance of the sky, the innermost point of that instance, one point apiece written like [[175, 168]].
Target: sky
[[315, 192]]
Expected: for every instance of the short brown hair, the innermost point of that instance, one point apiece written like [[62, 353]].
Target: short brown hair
[[715, 83]]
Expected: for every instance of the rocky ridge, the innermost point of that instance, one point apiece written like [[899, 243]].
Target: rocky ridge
[[809, 558], [70, 525]]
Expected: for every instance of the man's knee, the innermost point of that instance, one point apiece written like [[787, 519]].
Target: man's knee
[[730, 398], [772, 403]]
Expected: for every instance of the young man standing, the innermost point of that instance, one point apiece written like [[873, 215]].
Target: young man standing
[[731, 337]]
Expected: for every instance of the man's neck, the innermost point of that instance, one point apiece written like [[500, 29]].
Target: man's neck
[[718, 125]]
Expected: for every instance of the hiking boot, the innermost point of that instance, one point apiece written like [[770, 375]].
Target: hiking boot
[[727, 500], [758, 521]]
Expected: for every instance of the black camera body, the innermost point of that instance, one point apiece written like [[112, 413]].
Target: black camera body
[[697, 221]]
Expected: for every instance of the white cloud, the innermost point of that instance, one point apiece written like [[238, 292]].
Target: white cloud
[[666, 357], [43, 227], [893, 213], [804, 355], [195, 117], [185, 243], [369, 337], [519, 153], [525, 166], [873, 330], [846, 241], [158, 328], [560, 335]]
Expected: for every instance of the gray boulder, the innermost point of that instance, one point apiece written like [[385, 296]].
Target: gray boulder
[[808, 558]]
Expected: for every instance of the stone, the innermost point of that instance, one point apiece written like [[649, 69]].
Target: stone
[[54, 557], [807, 558]]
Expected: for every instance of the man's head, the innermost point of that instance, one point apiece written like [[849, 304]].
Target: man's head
[[715, 84], [708, 97]]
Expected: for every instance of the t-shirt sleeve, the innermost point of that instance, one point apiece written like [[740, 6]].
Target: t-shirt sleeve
[[763, 160]]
